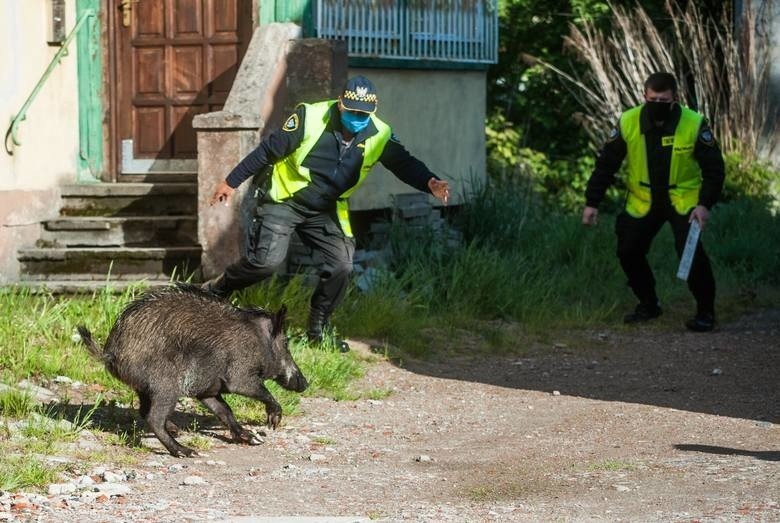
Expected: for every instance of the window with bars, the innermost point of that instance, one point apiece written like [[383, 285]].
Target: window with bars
[[464, 31]]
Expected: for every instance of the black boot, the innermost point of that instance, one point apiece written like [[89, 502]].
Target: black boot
[[319, 331], [702, 322], [217, 286], [643, 312]]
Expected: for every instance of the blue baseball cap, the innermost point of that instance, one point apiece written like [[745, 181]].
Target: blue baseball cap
[[359, 95]]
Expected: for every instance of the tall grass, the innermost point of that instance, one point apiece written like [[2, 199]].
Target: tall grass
[[523, 262]]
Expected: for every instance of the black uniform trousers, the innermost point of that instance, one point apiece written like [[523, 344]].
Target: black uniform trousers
[[268, 240], [634, 236]]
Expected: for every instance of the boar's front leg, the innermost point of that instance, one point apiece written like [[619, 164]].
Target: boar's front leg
[[160, 409], [257, 390], [221, 409]]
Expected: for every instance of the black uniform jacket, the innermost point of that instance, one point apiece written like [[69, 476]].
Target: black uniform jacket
[[659, 159], [334, 165]]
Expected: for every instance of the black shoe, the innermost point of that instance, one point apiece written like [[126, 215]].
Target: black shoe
[[217, 287], [643, 313], [326, 342], [702, 322], [320, 333]]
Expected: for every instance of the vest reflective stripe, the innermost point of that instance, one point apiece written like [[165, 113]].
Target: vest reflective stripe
[[684, 171], [289, 176]]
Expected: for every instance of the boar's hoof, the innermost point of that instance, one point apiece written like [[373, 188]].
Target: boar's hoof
[[171, 428], [248, 437], [184, 452], [274, 419]]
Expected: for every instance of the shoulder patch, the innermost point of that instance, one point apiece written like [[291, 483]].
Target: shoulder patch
[[394, 138], [613, 133], [706, 137], [291, 124]]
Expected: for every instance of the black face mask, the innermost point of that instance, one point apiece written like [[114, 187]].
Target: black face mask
[[658, 111]]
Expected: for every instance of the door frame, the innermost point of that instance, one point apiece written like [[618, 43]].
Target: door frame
[[112, 145]]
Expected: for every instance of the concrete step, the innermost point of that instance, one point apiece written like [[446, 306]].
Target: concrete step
[[95, 263], [129, 199], [120, 231], [159, 176], [89, 286]]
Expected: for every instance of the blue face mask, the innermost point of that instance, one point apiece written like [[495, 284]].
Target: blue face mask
[[354, 122]]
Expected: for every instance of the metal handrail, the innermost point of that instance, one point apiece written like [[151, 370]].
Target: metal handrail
[[63, 51]]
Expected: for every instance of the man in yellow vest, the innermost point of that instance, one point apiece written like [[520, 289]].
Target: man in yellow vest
[[322, 153], [675, 175]]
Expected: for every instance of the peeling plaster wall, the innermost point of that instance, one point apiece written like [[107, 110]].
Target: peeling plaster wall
[[48, 155], [49, 134]]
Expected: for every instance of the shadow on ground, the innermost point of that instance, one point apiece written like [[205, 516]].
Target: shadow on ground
[[125, 422], [731, 372], [764, 455]]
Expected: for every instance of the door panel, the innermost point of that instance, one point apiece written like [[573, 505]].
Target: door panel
[[177, 58]]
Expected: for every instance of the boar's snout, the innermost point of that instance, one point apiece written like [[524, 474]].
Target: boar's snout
[[295, 382]]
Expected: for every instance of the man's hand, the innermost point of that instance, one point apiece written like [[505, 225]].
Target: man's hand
[[701, 214], [590, 216], [440, 189], [222, 194]]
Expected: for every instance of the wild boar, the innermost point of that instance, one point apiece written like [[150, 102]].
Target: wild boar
[[183, 341]]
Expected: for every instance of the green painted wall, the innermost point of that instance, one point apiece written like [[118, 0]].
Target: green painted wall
[[90, 87], [296, 11]]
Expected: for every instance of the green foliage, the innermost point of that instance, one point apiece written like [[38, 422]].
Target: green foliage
[[742, 239], [746, 179]]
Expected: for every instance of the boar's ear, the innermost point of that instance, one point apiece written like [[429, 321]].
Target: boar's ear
[[278, 321]]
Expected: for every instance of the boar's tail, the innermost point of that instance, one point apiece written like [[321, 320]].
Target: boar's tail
[[86, 338], [96, 351]]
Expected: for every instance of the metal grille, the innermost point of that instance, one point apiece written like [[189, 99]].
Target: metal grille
[[445, 30]]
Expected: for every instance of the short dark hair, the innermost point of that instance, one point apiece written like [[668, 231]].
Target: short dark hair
[[659, 82]]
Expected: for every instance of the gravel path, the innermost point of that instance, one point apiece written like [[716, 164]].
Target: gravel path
[[653, 424]]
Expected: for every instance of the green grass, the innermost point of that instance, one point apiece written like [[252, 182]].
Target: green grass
[[39, 342], [15, 403], [612, 465], [23, 471]]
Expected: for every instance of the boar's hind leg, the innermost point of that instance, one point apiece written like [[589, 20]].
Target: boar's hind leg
[[143, 410], [221, 409], [160, 409]]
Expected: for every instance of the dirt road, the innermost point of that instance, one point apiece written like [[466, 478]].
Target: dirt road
[[648, 424]]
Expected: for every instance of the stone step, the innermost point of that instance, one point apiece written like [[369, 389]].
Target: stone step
[[121, 231], [95, 263], [90, 286], [159, 176], [129, 199]]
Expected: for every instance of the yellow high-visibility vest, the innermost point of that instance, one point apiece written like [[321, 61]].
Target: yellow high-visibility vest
[[290, 176], [684, 171]]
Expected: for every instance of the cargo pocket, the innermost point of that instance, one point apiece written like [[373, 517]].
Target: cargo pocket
[[339, 242], [269, 247]]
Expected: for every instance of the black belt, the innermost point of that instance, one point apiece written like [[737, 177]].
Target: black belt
[[667, 187]]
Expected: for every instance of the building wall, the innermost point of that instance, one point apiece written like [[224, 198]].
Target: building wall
[[49, 152], [49, 134], [439, 116]]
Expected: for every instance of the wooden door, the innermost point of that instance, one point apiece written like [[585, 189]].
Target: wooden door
[[174, 59]]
